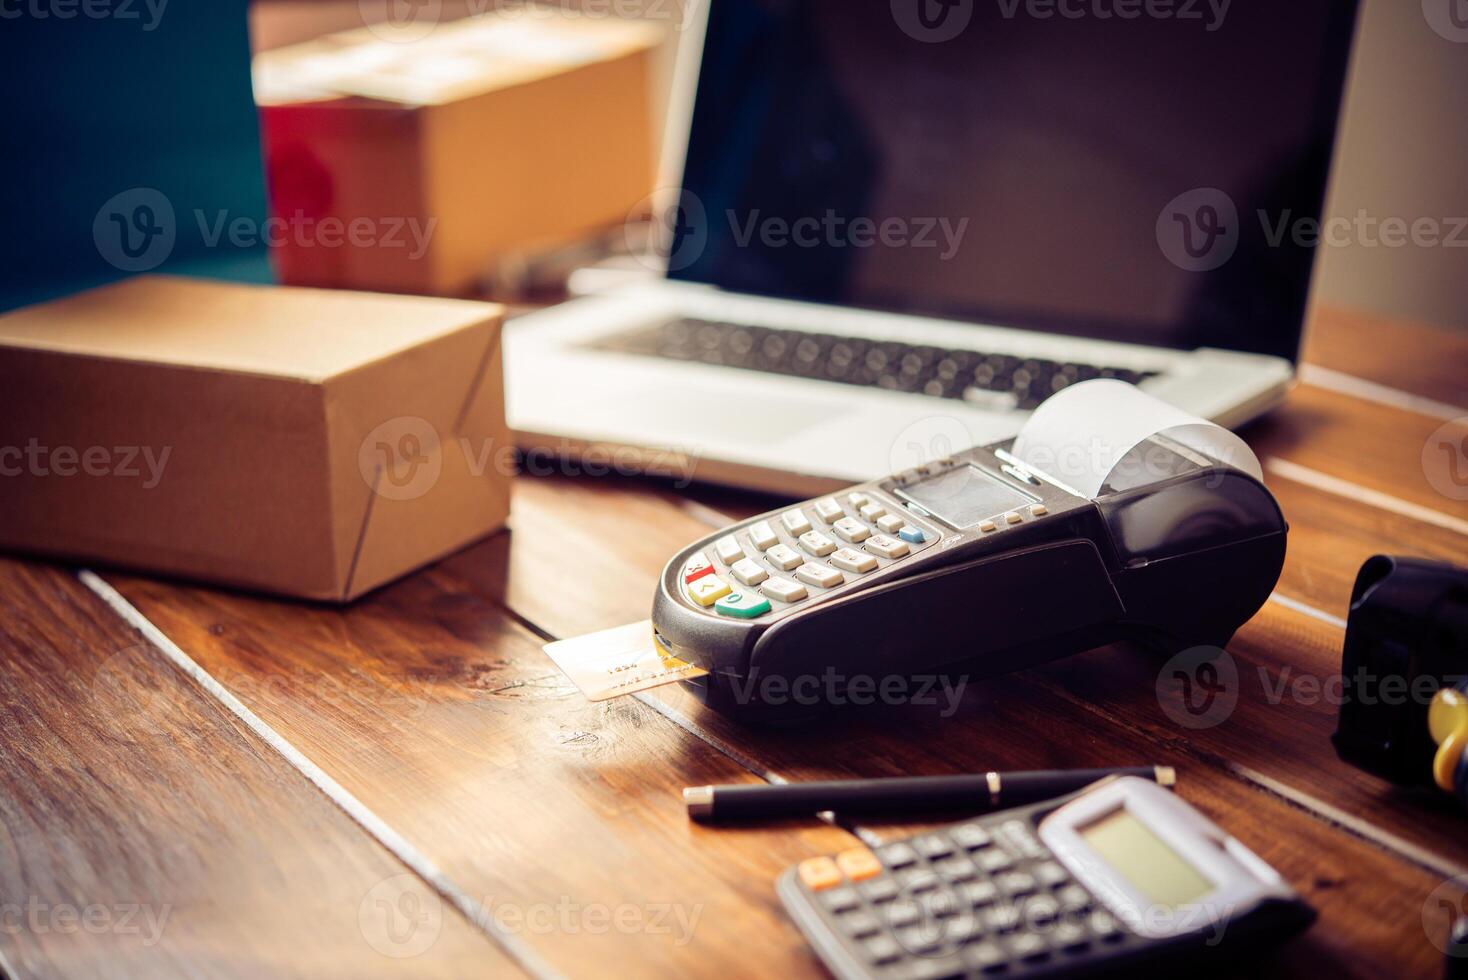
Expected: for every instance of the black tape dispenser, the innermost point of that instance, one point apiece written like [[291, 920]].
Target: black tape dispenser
[[1139, 527]]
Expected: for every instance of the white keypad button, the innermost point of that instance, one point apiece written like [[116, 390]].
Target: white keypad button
[[858, 499], [821, 575], [887, 547], [828, 510], [728, 549], [817, 543], [853, 561], [748, 571], [784, 557], [1038, 510], [870, 512], [1012, 517], [890, 523], [762, 536], [795, 522], [784, 590], [851, 529], [987, 526]]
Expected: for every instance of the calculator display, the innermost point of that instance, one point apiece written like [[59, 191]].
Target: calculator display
[[1141, 857], [964, 496]]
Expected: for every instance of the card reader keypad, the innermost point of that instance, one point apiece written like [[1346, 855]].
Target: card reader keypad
[[796, 556], [975, 900]]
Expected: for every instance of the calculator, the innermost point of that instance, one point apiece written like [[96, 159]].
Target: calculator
[[971, 559], [1119, 876]]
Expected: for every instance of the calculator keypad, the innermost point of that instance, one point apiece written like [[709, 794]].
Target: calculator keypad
[[974, 900], [794, 557]]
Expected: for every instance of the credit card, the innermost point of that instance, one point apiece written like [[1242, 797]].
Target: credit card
[[619, 661]]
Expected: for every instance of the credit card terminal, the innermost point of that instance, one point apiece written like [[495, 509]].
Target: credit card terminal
[[1120, 876], [972, 559]]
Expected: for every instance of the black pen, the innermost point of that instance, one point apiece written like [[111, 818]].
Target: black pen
[[903, 794]]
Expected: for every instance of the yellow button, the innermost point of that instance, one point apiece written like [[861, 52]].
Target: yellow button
[[1037, 510], [1013, 517], [707, 590], [819, 873], [987, 526], [859, 864], [1447, 719]]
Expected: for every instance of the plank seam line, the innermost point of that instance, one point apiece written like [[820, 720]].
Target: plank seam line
[[1384, 840], [1354, 491], [1257, 781], [1372, 391], [1308, 610], [395, 843]]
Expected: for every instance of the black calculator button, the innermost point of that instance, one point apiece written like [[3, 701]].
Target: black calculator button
[[918, 880], [971, 836], [883, 949], [963, 928], [879, 890], [1051, 874], [1071, 936], [1074, 898], [859, 925], [1000, 918], [934, 968], [1042, 910], [1104, 927], [956, 869], [980, 893], [903, 912], [923, 938], [1016, 883], [1028, 946], [933, 846], [940, 904], [841, 899], [897, 855], [987, 956], [992, 861]]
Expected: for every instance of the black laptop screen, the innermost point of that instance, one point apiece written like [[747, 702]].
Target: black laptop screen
[[1141, 170]]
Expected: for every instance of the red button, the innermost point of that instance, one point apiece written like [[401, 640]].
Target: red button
[[698, 566]]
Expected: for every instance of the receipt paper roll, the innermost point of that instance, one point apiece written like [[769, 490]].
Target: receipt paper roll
[[1078, 435]]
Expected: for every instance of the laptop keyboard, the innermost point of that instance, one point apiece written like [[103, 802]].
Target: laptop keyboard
[[990, 380]]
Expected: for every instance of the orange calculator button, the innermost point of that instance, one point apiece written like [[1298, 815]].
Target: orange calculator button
[[819, 873], [859, 864]]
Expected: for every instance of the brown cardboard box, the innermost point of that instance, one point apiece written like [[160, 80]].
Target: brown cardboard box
[[308, 442], [487, 136]]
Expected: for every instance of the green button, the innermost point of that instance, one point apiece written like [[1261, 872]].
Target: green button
[[744, 605]]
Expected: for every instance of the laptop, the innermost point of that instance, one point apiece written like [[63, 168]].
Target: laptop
[[894, 228]]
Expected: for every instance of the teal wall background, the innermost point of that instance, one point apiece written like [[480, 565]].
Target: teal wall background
[[104, 100]]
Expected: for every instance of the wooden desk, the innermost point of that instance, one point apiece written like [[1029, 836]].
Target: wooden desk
[[149, 830]]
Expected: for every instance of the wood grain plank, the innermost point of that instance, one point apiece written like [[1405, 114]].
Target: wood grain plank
[[1019, 722], [144, 832], [439, 710], [1411, 357]]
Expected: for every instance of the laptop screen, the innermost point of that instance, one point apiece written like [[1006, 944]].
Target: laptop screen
[[1137, 170]]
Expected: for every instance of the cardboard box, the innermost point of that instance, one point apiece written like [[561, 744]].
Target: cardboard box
[[488, 136], [306, 442]]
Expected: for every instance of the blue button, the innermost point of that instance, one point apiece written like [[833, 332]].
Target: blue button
[[910, 533]]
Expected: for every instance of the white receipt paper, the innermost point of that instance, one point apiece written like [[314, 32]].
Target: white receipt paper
[[1079, 434]]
